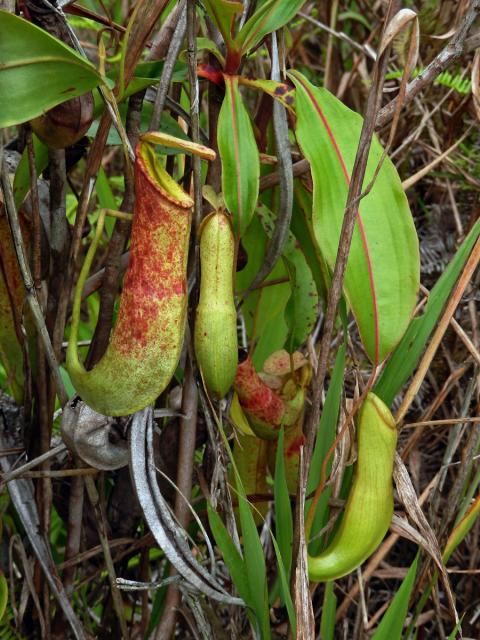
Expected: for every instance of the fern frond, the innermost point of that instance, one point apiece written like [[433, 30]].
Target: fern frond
[[457, 82]]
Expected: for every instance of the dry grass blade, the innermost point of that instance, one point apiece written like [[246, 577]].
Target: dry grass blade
[[410, 500], [16, 543], [476, 82], [303, 600], [102, 534], [448, 56], [424, 171]]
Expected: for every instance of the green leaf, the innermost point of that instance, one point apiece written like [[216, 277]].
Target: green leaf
[[168, 124], [37, 71], [239, 156], [461, 529], [21, 182], [302, 229], [383, 268], [326, 435], [230, 554], [272, 15], [223, 13], [329, 609], [147, 74], [283, 510], [106, 199], [254, 559], [206, 44], [264, 309], [285, 588], [154, 68], [284, 93], [3, 594], [407, 354], [302, 307], [456, 630], [391, 625], [105, 196]]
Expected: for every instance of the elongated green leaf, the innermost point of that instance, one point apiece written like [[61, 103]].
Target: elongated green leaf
[[37, 71], [455, 631], [239, 156], [146, 74], [327, 621], [223, 13], [326, 435], [391, 625], [254, 559], [302, 307], [383, 269], [458, 534], [285, 588], [461, 529], [408, 352], [283, 510], [272, 15], [230, 554]]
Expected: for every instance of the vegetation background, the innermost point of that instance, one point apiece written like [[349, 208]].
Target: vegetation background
[[91, 521]]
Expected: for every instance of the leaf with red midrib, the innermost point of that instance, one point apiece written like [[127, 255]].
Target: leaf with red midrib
[[272, 15], [382, 275], [239, 156]]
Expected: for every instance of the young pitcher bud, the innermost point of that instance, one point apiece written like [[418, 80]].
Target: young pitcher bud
[[216, 346], [265, 409]]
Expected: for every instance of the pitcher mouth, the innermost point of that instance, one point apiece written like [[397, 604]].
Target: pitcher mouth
[[160, 178]]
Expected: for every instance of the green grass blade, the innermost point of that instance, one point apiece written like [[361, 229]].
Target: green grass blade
[[230, 554], [329, 609], [455, 632], [254, 559], [409, 350], [283, 510], [326, 435], [254, 562], [285, 588], [391, 625]]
